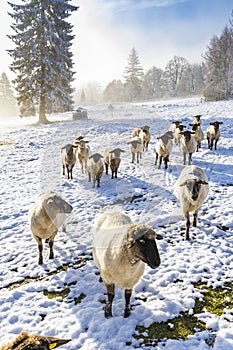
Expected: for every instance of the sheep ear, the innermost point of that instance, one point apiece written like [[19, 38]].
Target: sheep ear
[[181, 132], [192, 132], [183, 183], [191, 124], [86, 141], [211, 123], [203, 182], [220, 123], [158, 237], [129, 142]]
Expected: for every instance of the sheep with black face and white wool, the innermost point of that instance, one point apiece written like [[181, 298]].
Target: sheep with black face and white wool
[[177, 135], [68, 157], [46, 216], [112, 158], [213, 134], [188, 145], [34, 342], [95, 168], [121, 251], [191, 189], [136, 148], [163, 148], [199, 135], [83, 152]]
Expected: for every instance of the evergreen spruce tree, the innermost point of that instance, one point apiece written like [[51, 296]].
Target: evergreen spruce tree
[[7, 99], [42, 59], [133, 76]]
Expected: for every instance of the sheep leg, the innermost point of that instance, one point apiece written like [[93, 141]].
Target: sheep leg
[[138, 157], [211, 144], [127, 311], [106, 168], [63, 167], [160, 162], [187, 221], [51, 255], [89, 177], [166, 161], [190, 158], [184, 160], [71, 172], [40, 248], [68, 171], [215, 145], [133, 157], [195, 218], [156, 158], [111, 293]]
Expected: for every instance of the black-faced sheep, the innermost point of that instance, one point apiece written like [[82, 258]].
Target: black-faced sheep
[[136, 148], [177, 135], [95, 168], [199, 135], [174, 125], [197, 119], [121, 251], [213, 134], [188, 145], [191, 189], [112, 158], [163, 148], [46, 216], [34, 342], [68, 159]]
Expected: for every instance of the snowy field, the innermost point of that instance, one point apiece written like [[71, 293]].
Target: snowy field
[[30, 164]]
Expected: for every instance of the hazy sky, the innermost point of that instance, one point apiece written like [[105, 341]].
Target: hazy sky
[[107, 30]]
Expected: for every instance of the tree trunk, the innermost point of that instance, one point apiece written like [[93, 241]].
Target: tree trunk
[[42, 116]]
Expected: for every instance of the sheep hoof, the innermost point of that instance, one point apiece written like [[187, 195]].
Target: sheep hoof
[[40, 261], [127, 312], [108, 310]]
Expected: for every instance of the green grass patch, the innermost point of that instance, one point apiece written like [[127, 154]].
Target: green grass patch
[[56, 294], [215, 301]]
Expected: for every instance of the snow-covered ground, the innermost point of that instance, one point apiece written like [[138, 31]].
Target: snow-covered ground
[[30, 164]]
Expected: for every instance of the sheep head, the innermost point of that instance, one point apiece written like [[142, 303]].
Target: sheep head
[[142, 245], [194, 186]]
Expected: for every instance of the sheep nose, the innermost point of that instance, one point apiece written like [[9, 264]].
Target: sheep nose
[[194, 197]]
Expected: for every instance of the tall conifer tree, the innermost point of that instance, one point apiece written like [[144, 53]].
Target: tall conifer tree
[[133, 76], [42, 59]]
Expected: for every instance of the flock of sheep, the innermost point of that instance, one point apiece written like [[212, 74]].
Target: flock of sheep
[[121, 249]]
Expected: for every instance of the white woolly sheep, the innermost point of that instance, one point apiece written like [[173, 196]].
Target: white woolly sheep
[[163, 148], [121, 250], [83, 152], [46, 216], [112, 158], [199, 135], [191, 189], [68, 159], [136, 148], [213, 134], [188, 145], [34, 342], [177, 135], [145, 135], [95, 168]]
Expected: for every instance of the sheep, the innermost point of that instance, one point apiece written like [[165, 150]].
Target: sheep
[[46, 216], [199, 135], [121, 251], [112, 158], [197, 119], [191, 189], [163, 148], [145, 135], [213, 134], [177, 135], [95, 168], [68, 159], [76, 141], [174, 125], [136, 148], [188, 145], [34, 342], [83, 152]]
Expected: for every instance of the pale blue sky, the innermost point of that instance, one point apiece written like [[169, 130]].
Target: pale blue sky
[[106, 31]]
